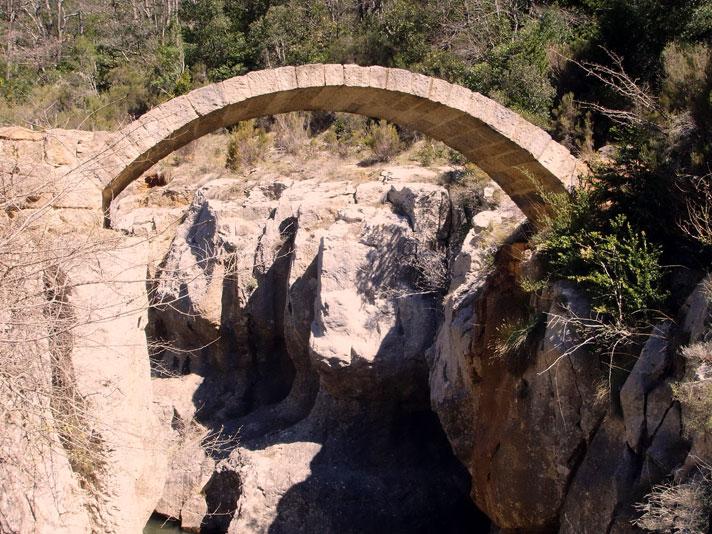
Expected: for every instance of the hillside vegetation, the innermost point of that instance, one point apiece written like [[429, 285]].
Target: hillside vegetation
[[626, 85]]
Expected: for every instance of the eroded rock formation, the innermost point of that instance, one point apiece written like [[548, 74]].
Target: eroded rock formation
[[346, 334], [314, 353]]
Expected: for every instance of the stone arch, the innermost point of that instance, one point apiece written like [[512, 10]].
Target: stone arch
[[522, 158]]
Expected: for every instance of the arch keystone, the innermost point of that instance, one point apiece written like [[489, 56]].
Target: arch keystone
[[266, 82], [334, 75], [356, 76], [310, 75]]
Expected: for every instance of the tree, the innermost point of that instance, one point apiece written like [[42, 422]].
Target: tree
[[214, 38]]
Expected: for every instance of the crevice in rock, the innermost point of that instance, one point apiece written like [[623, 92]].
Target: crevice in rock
[[221, 496]]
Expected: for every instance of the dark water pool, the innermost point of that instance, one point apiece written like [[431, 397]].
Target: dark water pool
[[161, 525]]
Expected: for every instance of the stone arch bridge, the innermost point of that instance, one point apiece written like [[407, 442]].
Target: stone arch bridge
[[520, 157]]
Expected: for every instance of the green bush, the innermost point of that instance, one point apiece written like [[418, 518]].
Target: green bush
[[430, 152], [383, 140], [615, 264], [571, 127], [518, 71], [246, 146]]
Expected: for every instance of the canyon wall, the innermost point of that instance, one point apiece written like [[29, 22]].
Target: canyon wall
[[327, 354]]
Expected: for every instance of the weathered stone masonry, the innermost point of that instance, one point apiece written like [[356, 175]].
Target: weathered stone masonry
[[520, 157]]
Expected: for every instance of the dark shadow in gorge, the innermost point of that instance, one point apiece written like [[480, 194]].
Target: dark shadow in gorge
[[384, 463], [379, 474]]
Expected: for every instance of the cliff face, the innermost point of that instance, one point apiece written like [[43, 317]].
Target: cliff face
[[347, 346], [310, 307], [551, 447], [329, 355], [95, 462]]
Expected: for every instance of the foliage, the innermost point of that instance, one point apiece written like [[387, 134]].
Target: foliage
[[346, 134], [293, 33], [518, 72], [214, 41], [350, 128], [430, 152], [432, 276], [246, 146], [383, 140], [572, 127], [117, 59], [615, 265]]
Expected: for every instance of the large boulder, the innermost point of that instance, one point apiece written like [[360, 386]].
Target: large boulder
[[371, 327]]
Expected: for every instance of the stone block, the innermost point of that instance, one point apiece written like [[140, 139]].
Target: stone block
[[310, 75], [355, 76]]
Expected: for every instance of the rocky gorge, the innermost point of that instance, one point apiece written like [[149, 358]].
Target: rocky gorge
[[295, 353]]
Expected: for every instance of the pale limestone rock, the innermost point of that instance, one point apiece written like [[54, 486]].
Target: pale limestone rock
[[426, 208], [112, 371], [266, 475], [39, 493], [212, 255], [18, 133], [279, 468], [370, 324], [59, 152], [188, 472], [486, 219]]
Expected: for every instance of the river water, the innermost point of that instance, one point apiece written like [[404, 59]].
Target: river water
[[160, 525]]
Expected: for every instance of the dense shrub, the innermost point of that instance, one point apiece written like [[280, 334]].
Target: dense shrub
[[383, 140], [615, 264], [572, 127], [246, 146], [430, 152]]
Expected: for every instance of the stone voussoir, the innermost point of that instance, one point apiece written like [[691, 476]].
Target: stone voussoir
[[310, 75], [485, 131]]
